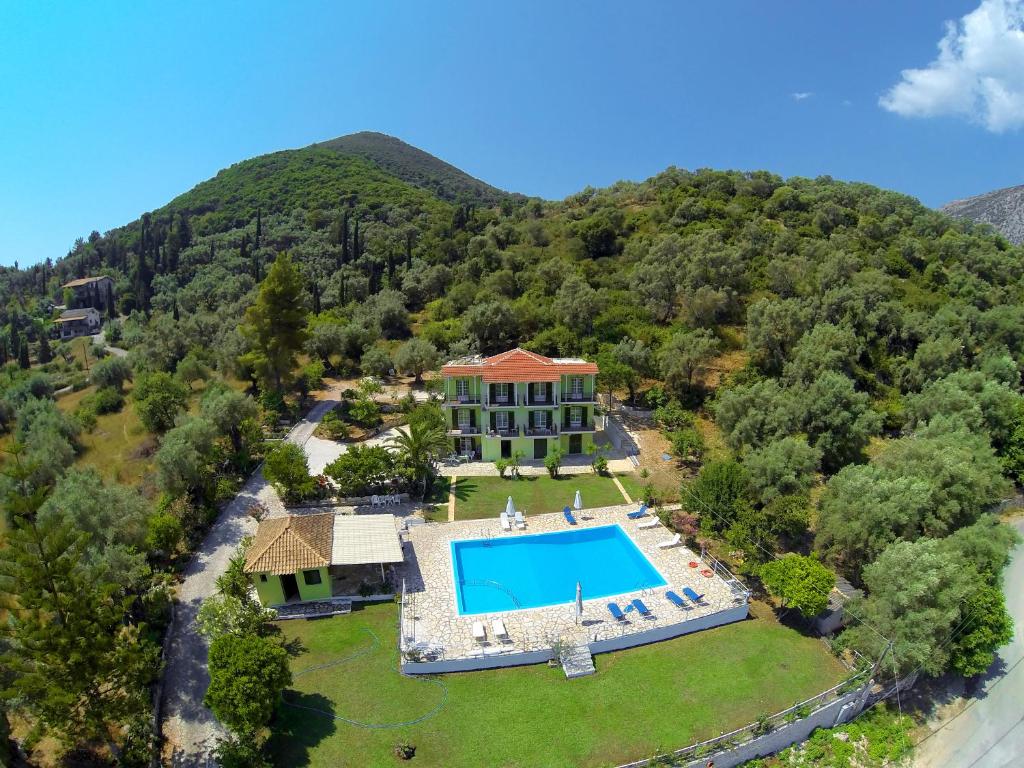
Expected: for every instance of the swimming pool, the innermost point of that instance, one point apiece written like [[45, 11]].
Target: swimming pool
[[542, 569]]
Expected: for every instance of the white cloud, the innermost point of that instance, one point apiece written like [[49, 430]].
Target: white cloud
[[978, 75], [801, 95]]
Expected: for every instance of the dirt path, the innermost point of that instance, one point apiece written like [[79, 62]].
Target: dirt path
[[190, 729]]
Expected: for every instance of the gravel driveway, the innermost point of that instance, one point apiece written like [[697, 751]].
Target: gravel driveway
[[190, 729]]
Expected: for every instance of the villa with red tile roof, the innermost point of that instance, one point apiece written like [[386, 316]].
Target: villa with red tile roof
[[519, 401]]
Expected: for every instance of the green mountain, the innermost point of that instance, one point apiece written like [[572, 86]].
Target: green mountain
[[415, 167]]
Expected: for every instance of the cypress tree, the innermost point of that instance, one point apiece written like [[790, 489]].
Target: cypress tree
[[341, 291], [23, 361], [408, 248], [44, 349], [355, 241], [174, 309], [111, 311], [259, 229]]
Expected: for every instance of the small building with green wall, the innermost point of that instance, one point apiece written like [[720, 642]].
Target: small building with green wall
[[299, 558]]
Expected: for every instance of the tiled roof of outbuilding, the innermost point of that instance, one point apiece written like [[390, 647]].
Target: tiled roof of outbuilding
[[290, 544]]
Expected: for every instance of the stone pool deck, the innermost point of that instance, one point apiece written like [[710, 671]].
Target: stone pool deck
[[441, 640]]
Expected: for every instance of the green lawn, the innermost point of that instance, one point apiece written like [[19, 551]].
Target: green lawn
[[666, 486], [660, 696], [477, 497]]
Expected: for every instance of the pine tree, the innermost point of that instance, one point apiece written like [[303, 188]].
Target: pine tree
[[81, 669], [276, 325]]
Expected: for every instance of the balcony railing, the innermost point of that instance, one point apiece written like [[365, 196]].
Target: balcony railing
[[577, 397], [583, 426], [549, 431], [512, 431], [539, 402], [456, 400], [466, 429]]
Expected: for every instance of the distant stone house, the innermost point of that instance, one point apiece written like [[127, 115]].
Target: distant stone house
[[318, 556], [833, 618], [77, 322], [95, 292]]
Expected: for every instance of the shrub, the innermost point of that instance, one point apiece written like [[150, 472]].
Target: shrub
[[365, 469], [672, 416], [312, 376], [687, 445], [159, 398], [247, 676], [364, 412], [502, 466], [111, 372], [286, 467], [86, 418], [165, 532], [553, 461], [106, 400], [332, 427], [227, 488], [376, 362], [600, 465]]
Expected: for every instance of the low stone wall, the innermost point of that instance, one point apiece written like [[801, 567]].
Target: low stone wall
[[629, 640]]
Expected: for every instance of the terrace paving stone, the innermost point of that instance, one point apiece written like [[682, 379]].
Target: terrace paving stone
[[431, 619]]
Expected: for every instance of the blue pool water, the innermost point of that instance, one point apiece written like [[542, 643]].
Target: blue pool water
[[542, 569]]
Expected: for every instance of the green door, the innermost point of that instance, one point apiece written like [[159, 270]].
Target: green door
[[540, 449]]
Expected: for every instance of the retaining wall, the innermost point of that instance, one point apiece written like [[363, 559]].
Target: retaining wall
[[630, 640]]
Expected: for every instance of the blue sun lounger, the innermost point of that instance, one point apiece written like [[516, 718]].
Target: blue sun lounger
[[639, 513], [642, 609], [692, 595], [570, 518], [675, 599], [616, 612]]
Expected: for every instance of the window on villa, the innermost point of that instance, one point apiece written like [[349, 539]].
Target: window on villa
[[577, 386], [501, 419], [461, 389], [311, 577], [540, 392], [467, 445], [575, 416], [501, 393], [263, 578], [464, 420], [540, 419]]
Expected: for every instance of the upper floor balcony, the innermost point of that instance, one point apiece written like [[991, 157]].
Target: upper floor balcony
[[457, 430], [578, 426], [578, 397], [549, 430], [453, 400]]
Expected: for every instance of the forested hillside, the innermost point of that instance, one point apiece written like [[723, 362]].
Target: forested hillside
[[872, 414]]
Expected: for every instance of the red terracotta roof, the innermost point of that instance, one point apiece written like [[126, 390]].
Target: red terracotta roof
[[519, 365]]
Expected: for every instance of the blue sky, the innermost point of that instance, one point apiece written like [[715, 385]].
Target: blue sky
[[109, 109]]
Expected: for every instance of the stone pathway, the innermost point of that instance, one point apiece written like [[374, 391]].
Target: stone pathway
[[451, 500], [190, 729], [621, 490]]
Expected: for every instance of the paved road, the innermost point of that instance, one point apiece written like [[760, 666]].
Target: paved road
[[190, 729], [100, 338], [989, 733]]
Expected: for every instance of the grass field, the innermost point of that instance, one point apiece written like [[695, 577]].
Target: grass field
[[477, 497], [656, 697]]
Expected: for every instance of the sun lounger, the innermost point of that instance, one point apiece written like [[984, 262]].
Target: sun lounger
[[673, 542], [506, 524], [675, 599], [692, 595], [498, 628], [569, 517], [651, 523], [520, 520], [642, 609], [616, 612], [479, 632], [639, 513]]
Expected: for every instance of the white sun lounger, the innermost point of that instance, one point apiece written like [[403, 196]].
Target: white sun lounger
[[506, 524], [649, 523], [498, 627], [673, 542], [520, 520], [479, 632]]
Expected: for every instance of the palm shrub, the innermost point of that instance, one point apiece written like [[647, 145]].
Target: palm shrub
[[420, 444]]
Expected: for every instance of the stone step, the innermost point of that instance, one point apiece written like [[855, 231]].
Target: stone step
[[577, 661], [314, 608]]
